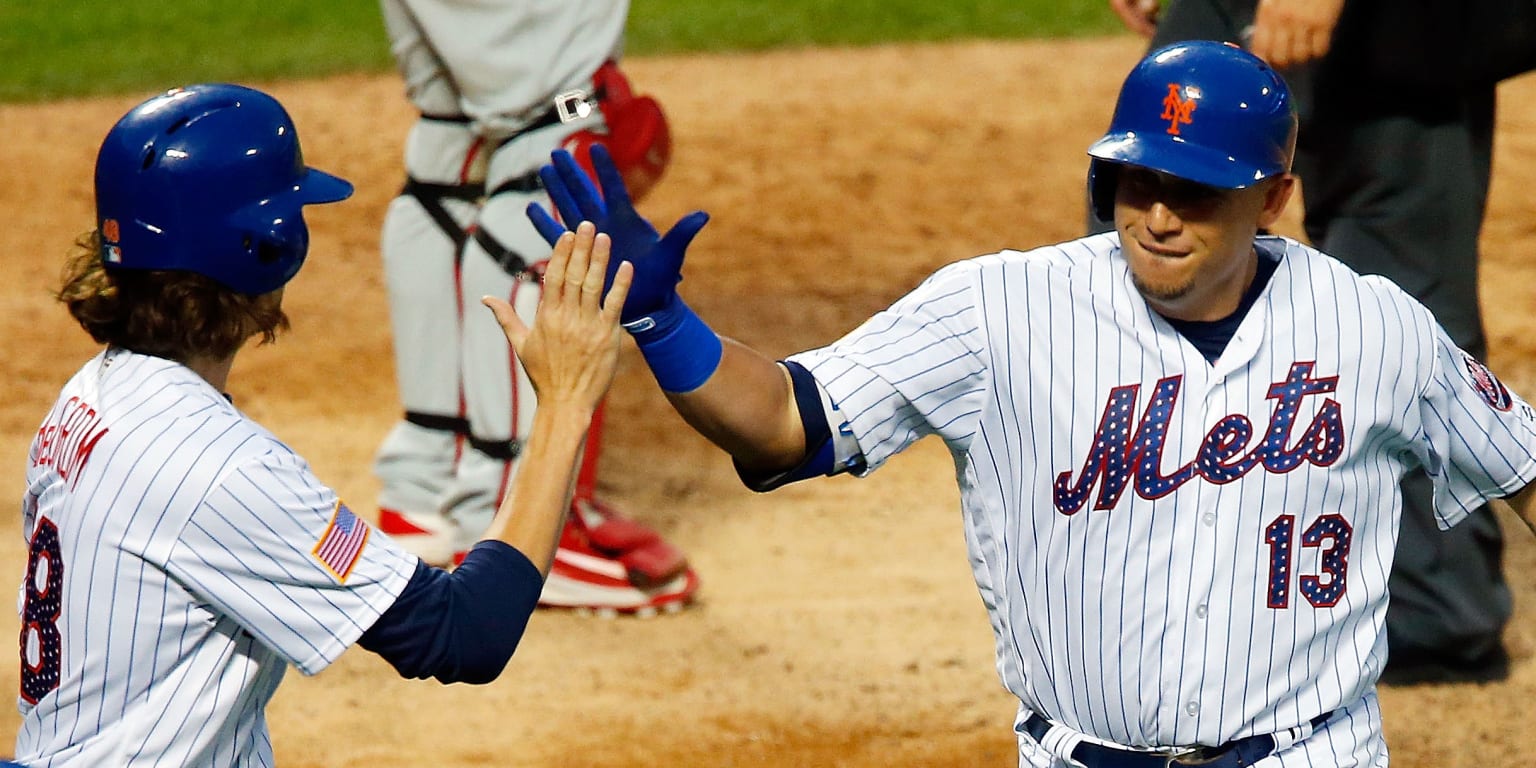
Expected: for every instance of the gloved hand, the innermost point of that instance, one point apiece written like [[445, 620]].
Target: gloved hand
[[653, 306]]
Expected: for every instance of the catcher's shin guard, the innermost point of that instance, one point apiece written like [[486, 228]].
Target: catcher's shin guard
[[499, 256], [421, 244]]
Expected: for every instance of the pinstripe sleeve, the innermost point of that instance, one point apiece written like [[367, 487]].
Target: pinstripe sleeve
[[912, 370], [1479, 439], [274, 549]]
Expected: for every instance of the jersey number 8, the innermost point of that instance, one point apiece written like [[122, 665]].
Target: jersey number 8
[[40, 640]]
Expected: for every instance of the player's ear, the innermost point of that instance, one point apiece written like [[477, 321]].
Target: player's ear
[[1277, 194]]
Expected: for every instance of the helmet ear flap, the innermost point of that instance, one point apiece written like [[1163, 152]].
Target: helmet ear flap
[[272, 248], [1102, 178]]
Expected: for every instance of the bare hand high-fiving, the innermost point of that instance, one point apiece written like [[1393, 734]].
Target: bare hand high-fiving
[[572, 348]]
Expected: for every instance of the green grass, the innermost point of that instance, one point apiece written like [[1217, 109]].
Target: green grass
[[51, 49], [54, 49], [669, 26]]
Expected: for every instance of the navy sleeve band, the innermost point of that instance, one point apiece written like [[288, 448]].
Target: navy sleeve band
[[459, 627], [813, 417], [819, 459]]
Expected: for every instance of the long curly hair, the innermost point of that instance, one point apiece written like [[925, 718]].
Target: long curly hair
[[166, 313]]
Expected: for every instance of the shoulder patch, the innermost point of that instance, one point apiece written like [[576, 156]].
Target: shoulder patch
[[1487, 386], [341, 545]]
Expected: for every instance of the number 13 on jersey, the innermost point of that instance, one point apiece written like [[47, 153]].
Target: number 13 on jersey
[[1330, 534]]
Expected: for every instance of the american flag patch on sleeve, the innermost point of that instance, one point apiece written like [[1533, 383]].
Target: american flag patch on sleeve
[[342, 543]]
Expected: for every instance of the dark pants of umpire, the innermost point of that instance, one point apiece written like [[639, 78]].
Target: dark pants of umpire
[[1403, 195], [1395, 182]]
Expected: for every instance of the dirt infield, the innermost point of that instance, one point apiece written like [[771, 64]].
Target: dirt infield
[[838, 624]]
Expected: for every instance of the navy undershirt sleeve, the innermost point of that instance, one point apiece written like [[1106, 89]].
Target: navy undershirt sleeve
[[459, 627], [819, 459]]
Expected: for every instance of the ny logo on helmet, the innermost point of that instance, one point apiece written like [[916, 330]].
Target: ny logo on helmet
[[1176, 109]]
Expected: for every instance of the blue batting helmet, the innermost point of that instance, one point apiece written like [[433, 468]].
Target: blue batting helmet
[[1205, 111], [209, 179]]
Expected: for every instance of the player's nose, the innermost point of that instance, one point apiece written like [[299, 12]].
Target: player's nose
[[1161, 220]]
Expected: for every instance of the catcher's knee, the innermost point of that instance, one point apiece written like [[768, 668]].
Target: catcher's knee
[[445, 165], [445, 150], [502, 229]]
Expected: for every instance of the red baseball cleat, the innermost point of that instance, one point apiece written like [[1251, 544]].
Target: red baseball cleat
[[610, 564]]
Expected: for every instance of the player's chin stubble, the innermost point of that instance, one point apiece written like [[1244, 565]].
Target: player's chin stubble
[[1161, 294], [1158, 280]]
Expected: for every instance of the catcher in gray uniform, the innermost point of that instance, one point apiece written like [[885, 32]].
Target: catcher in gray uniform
[[499, 85]]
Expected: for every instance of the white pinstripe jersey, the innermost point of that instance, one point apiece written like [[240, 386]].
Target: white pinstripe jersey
[[175, 570], [1173, 551]]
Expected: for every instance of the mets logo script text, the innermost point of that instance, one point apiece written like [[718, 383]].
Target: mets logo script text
[[1119, 457]]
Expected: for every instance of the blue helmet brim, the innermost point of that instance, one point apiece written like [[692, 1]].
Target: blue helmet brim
[[317, 186], [1177, 157]]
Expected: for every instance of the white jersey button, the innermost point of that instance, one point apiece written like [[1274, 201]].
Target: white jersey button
[[1192, 709], [1200, 611]]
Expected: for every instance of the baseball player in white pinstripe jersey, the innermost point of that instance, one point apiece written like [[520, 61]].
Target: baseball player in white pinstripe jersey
[[1173, 441], [180, 556]]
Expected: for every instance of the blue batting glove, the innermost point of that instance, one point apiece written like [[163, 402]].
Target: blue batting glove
[[653, 304], [681, 350]]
